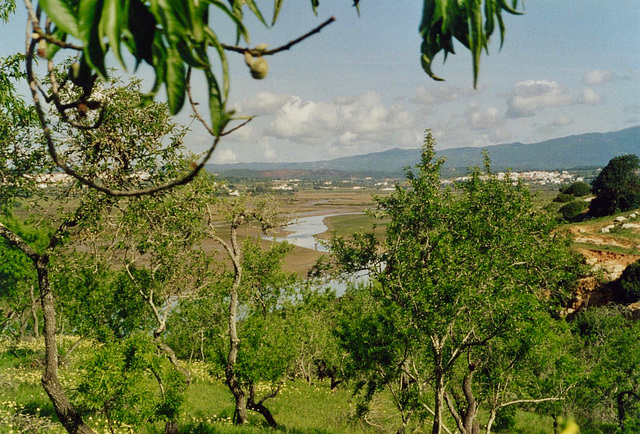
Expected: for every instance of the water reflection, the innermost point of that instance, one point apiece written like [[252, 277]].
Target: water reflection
[[304, 230], [302, 234]]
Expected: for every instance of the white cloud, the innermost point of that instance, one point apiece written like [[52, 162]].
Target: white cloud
[[561, 121], [597, 77], [348, 121], [264, 103], [440, 94], [530, 95], [590, 96], [552, 127], [224, 156], [483, 118], [268, 151]]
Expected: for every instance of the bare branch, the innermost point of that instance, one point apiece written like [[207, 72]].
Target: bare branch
[[530, 401], [284, 47], [454, 413]]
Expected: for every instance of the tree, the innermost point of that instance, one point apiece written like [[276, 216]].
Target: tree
[[617, 187], [257, 284], [176, 38], [573, 209], [627, 286], [121, 155], [610, 390], [456, 274], [18, 279], [577, 189]]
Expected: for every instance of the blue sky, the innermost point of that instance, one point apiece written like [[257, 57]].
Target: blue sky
[[567, 67]]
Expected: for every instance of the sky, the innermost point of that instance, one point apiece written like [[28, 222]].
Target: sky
[[566, 67]]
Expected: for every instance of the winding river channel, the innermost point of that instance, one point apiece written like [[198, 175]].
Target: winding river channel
[[302, 233]]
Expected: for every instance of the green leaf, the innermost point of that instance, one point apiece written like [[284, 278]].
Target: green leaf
[[142, 31], [87, 12], [240, 27], [213, 40], [276, 10], [314, 5], [89, 21], [175, 81], [61, 14], [111, 27], [190, 58], [216, 105], [52, 49], [159, 60], [256, 11], [443, 20]]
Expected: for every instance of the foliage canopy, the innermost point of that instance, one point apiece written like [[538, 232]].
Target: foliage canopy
[[617, 187]]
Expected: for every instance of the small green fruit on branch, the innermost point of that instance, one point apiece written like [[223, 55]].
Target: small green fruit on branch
[[258, 65]]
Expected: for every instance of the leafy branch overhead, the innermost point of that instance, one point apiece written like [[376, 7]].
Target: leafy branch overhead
[[173, 35], [169, 35], [471, 22]]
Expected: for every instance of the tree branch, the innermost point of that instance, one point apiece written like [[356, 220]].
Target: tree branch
[[51, 148], [17, 242], [454, 413], [284, 47], [530, 401]]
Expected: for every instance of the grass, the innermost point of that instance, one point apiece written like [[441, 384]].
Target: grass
[[345, 225], [208, 408]]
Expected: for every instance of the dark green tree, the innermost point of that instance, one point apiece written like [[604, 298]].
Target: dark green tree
[[628, 285], [573, 209], [577, 189], [617, 187], [122, 149], [457, 273]]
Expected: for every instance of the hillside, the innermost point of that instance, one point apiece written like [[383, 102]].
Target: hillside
[[584, 150]]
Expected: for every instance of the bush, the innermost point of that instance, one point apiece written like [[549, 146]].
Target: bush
[[573, 209], [628, 285], [577, 189], [552, 207], [505, 419], [564, 198]]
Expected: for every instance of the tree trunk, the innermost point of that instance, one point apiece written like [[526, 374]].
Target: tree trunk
[[171, 427], [67, 414], [622, 406], [492, 418], [264, 411], [240, 415], [34, 313], [437, 416], [471, 425]]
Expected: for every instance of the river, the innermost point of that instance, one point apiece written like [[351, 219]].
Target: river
[[302, 234]]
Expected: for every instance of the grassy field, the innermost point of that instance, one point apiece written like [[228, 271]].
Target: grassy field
[[299, 408]]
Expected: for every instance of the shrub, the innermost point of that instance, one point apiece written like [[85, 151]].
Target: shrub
[[577, 189], [573, 209], [505, 419], [628, 285], [564, 198]]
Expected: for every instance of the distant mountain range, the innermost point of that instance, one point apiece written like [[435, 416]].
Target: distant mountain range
[[579, 151]]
